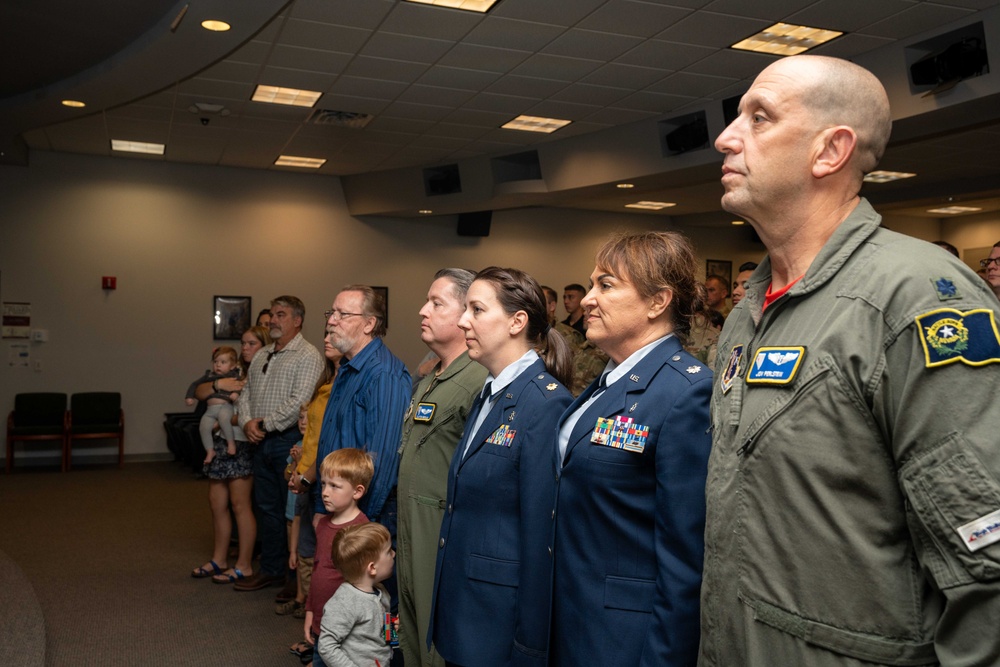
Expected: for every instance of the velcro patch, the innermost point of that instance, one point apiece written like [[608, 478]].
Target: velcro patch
[[775, 365], [950, 335], [982, 532]]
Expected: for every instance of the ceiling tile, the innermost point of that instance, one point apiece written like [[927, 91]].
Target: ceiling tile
[[228, 70], [371, 88], [428, 21], [456, 77], [558, 68], [850, 46], [563, 110], [466, 132], [691, 85], [296, 78], [583, 93], [591, 44], [916, 20], [629, 76], [727, 62], [142, 112], [526, 86], [505, 104], [847, 15], [627, 17], [418, 111], [312, 35], [435, 95], [254, 52], [709, 29], [311, 60], [614, 116], [215, 90], [656, 102], [484, 58], [404, 125], [477, 118], [406, 47], [137, 130], [367, 14], [510, 34], [383, 68], [667, 55], [771, 11], [352, 103], [555, 13]]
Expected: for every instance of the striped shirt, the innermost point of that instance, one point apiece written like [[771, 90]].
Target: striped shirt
[[277, 395], [365, 411]]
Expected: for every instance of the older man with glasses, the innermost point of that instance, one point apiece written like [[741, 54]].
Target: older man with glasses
[[280, 379]]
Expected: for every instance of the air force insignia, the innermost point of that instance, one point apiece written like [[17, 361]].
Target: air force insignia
[[425, 412], [775, 365], [950, 335]]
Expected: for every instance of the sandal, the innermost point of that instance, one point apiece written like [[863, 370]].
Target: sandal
[[201, 572], [286, 608], [227, 578], [300, 648]]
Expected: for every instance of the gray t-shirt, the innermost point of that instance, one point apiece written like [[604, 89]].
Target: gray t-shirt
[[352, 632]]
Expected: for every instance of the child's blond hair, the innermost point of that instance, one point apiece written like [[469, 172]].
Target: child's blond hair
[[354, 465], [354, 547], [226, 351]]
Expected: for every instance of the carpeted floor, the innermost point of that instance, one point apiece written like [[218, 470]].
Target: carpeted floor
[[108, 554]]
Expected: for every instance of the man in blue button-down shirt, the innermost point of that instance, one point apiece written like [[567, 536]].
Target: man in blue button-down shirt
[[369, 397]]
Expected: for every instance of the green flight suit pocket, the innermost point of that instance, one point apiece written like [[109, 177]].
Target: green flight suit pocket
[[949, 487]]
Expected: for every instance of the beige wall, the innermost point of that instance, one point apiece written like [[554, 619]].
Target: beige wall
[[176, 235]]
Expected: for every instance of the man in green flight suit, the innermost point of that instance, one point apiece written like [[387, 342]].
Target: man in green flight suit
[[431, 430]]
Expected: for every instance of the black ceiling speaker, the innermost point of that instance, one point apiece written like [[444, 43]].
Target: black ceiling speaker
[[476, 223], [943, 69]]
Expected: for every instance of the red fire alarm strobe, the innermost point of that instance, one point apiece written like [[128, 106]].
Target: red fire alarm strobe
[[109, 282]]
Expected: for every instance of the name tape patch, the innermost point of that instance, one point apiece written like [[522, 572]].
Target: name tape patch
[[775, 365], [425, 412], [982, 532]]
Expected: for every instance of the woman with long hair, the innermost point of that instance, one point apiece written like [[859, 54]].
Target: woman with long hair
[[491, 579]]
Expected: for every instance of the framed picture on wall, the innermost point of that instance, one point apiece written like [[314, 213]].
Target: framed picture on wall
[[384, 291], [230, 316], [721, 268]]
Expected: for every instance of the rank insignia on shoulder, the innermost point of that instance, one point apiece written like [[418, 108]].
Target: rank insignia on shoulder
[[945, 288], [948, 335], [732, 368], [693, 369], [552, 386], [775, 365], [425, 412]]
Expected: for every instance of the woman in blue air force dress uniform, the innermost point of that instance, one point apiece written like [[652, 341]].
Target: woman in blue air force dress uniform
[[631, 456], [492, 583]]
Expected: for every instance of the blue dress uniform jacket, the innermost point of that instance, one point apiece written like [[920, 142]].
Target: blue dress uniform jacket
[[629, 526], [491, 584]]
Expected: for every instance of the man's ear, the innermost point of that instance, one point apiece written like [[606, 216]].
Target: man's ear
[[370, 325], [834, 149]]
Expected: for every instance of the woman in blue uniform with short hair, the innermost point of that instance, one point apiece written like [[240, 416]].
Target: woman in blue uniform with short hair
[[491, 586], [631, 455]]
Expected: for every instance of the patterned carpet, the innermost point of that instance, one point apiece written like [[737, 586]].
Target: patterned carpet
[[105, 555]]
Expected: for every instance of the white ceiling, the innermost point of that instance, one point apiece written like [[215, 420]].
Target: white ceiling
[[439, 83]]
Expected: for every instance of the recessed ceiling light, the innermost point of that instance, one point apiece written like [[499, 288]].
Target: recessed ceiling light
[[294, 161], [886, 176], [137, 147], [738, 222], [76, 104], [481, 6], [651, 205], [291, 96], [425, 211], [536, 124], [953, 210], [625, 186], [215, 26], [786, 39]]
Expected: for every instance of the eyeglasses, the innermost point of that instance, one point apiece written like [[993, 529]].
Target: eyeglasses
[[263, 370], [985, 263], [337, 315]]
